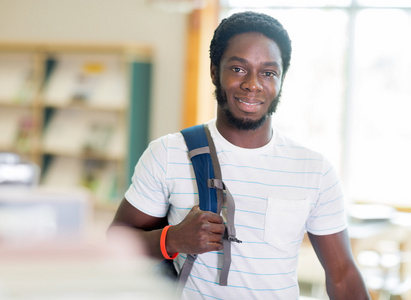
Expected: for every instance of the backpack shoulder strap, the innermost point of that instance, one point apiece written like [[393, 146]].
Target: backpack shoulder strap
[[203, 156], [199, 153]]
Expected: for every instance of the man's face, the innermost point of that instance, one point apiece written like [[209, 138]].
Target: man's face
[[248, 82]]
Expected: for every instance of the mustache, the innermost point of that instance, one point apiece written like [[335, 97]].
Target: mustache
[[222, 98], [243, 124]]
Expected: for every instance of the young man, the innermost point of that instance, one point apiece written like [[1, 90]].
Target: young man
[[281, 189]]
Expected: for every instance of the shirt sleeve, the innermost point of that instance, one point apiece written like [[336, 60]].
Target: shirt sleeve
[[328, 215], [148, 190]]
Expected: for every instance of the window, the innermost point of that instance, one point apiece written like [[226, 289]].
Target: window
[[348, 90]]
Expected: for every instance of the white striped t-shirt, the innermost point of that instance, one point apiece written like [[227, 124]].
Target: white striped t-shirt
[[281, 190]]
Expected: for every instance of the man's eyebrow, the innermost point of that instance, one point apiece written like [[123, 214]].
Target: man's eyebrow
[[244, 61], [239, 59], [272, 64]]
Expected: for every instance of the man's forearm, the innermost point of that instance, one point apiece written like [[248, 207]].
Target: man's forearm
[[350, 287]]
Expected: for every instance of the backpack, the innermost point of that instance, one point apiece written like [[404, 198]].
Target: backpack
[[212, 191]]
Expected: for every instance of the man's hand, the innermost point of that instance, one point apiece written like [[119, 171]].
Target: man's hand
[[199, 232]]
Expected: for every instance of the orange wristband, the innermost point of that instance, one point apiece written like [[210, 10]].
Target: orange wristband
[[163, 244]]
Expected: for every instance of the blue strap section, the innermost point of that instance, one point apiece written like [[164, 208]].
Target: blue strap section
[[195, 137]]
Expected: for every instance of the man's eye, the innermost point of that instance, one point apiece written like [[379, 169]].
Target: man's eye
[[269, 74], [237, 70]]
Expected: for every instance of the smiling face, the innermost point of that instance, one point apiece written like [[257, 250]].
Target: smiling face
[[248, 81]]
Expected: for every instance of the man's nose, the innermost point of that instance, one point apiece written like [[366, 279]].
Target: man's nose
[[251, 83]]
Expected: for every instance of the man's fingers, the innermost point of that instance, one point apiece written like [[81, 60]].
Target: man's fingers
[[210, 216], [214, 218], [214, 246], [215, 238], [217, 228]]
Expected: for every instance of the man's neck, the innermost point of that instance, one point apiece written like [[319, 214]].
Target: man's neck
[[245, 138]]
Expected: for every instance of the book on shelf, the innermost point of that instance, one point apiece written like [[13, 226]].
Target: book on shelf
[[97, 176], [16, 127], [90, 80], [85, 133], [17, 80]]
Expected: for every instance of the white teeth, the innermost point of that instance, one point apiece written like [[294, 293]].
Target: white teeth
[[251, 104]]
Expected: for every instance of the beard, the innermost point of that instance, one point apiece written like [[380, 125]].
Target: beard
[[243, 123]]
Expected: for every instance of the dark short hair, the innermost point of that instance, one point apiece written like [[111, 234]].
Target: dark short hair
[[250, 22]]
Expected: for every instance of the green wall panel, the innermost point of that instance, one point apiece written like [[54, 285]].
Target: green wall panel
[[139, 112]]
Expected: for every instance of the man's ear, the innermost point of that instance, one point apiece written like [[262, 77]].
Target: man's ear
[[213, 73]]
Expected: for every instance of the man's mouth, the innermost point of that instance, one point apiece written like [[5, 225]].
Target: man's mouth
[[249, 103]]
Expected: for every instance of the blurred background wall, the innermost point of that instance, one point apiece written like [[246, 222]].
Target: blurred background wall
[[108, 21]]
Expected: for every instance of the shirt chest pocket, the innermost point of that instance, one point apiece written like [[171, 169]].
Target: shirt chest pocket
[[285, 222]]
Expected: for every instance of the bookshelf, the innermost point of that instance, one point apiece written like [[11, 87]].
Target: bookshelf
[[79, 111]]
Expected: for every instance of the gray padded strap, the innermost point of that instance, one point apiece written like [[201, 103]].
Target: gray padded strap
[[185, 272], [198, 151], [230, 217], [226, 261], [215, 184], [216, 167], [229, 234]]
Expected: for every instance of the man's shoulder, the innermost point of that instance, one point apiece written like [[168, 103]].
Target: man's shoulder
[[168, 146], [168, 139]]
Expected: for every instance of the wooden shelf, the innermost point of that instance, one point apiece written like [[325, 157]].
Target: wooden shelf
[[85, 156], [100, 92], [86, 107]]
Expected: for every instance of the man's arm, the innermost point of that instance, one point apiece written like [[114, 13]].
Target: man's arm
[[199, 232], [343, 279]]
